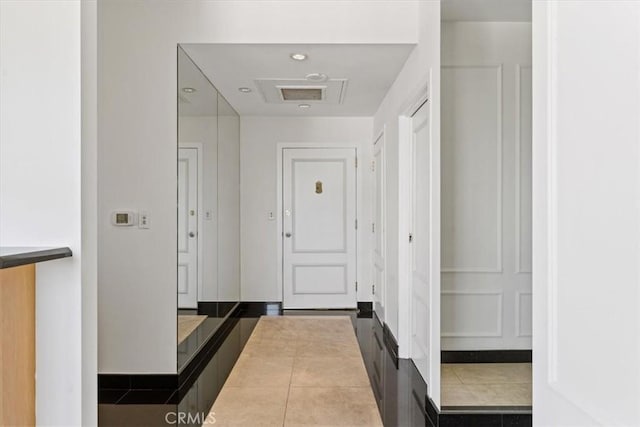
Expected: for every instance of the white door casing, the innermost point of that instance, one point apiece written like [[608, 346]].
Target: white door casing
[[425, 251], [187, 228], [319, 228], [586, 216], [378, 227]]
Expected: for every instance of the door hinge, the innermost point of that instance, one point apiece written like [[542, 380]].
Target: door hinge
[[356, 286], [356, 162], [373, 227], [373, 289], [356, 224], [410, 238], [373, 166]]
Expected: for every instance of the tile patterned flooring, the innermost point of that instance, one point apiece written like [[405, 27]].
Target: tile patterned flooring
[[486, 384], [299, 370]]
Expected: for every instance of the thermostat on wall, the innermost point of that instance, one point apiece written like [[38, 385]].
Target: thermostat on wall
[[123, 218]]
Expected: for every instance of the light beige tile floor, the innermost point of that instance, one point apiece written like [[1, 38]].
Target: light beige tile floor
[[298, 371], [486, 384], [187, 324]]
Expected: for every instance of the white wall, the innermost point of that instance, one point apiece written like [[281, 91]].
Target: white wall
[[421, 70], [89, 200], [42, 144], [486, 185], [258, 160], [586, 165], [137, 155]]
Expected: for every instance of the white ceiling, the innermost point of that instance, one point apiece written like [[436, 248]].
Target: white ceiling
[[202, 102], [487, 10], [370, 68]]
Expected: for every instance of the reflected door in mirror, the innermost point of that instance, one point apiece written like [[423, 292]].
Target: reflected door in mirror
[[187, 228]]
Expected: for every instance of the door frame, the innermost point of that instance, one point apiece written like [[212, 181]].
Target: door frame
[[427, 91], [380, 139], [198, 146], [280, 147], [405, 158]]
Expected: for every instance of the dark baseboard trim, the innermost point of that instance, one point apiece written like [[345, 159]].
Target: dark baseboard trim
[[365, 307], [169, 382], [365, 310], [486, 356], [210, 308], [391, 343], [260, 308], [216, 308]]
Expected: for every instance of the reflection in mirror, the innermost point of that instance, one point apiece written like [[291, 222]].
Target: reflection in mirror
[[208, 281], [229, 207]]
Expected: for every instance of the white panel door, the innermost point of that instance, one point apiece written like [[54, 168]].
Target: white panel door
[[586, 216], [187, 228], [425, 251], [377, 228], [319, 223]]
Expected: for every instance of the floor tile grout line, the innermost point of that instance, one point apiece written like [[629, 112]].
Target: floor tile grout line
[[286, 402]]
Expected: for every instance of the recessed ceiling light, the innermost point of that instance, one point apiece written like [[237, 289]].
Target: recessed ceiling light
[[304, 105], [316, 77], [244, 89], [188, 90], [298, 56]]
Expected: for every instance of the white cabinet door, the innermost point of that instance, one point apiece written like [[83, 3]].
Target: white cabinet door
[[586, 216], [319, 223]]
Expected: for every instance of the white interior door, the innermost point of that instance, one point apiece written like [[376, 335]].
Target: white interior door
[[425, 251], [586, 216], [187, 228], [319, 223], [377, 227]]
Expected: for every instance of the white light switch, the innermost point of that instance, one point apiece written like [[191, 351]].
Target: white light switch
[[208, 215], [271, 216]]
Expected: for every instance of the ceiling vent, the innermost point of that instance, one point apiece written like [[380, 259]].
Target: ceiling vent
[[302, 93], [293, 91]]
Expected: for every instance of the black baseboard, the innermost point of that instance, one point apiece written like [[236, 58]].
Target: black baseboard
[[216, 308], [168, 382], [365, 307], [390, 343], [486, 356], [260, 308], [210, 308]]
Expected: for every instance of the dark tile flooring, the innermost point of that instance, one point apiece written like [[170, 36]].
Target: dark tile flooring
[[400, 392]]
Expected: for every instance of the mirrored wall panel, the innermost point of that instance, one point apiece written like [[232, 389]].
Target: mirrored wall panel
[[208, 203]]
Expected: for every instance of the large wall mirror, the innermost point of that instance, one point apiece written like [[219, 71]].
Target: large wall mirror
[[208, 202]]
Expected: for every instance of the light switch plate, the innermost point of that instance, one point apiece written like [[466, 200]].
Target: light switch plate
[[143, 220]]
